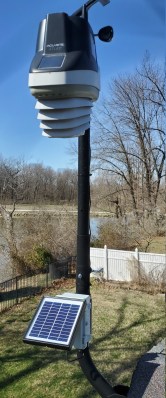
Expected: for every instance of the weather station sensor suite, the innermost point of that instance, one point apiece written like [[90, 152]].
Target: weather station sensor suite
[[64, 74], [64, 78]]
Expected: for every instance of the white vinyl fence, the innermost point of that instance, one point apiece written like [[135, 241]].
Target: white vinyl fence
[[120, 265]]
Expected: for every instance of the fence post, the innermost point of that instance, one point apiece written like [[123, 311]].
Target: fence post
[[138, 264], [47, 277], [16, 290], [105, 263]]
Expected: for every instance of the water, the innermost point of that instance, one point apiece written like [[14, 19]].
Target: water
[[94, 224]]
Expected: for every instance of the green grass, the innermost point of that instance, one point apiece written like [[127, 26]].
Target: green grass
[[158, 245], [125, 325]]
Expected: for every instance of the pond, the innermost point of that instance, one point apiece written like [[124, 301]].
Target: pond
[[95, 223]]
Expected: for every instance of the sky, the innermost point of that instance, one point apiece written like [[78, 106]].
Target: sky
[[138, 27]]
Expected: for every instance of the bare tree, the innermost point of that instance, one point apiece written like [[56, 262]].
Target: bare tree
[[66, 186], [130, 138], [107, 194], [10, 192], [34, 183]]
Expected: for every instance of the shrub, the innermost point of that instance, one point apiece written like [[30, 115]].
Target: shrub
[[115, 235], [39, 258]]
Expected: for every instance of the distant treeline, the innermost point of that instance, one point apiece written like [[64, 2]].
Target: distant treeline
[[35, 183]]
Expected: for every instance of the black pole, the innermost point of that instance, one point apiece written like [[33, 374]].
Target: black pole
[[101, 385], [83, 228], [83, 260]]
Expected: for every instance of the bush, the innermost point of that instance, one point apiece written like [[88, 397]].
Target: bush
[[115, 235], [39, 258], [127, 233]]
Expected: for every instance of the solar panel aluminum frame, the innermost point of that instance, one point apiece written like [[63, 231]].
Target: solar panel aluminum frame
[[49, 342]]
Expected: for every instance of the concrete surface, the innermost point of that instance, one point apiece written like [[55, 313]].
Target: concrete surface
[[148, 380]]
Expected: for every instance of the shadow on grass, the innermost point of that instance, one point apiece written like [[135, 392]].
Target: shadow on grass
[[42, 358], [20, 293], [119, 330], [134, 349]]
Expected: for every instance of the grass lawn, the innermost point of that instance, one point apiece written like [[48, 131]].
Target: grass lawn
[[158, 245], [126, 324]]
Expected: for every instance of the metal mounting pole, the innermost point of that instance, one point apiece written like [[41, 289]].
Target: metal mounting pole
[[83, 228], [101, 385], [83, 260]]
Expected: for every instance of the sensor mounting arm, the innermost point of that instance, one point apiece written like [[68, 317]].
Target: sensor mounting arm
[[88, 5]]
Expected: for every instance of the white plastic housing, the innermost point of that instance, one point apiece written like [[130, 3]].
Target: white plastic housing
[[64, 118]]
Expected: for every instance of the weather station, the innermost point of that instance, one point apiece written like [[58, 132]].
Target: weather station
[[65, 80]]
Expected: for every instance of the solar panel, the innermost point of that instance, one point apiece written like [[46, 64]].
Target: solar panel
[[54, 322]]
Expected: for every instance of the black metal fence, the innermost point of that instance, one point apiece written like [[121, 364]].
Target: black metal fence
[[15, 290]]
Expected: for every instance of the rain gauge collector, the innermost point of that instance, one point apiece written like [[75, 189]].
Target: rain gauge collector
[[64, 79]]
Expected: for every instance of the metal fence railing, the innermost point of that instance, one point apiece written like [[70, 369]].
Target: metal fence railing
[[15, 290]]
